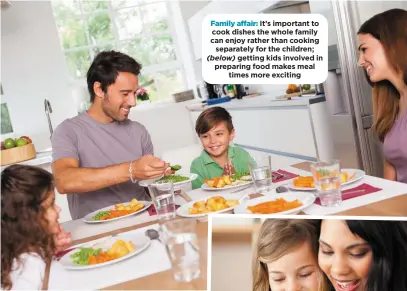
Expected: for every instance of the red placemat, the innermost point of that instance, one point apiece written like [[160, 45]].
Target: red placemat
[[152, 211], [362, 190], [287, 176]]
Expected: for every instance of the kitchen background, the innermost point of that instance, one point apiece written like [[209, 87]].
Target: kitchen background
[[36, 63], [47, 47]]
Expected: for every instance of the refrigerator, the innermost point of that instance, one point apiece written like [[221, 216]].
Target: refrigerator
[[347, 93]]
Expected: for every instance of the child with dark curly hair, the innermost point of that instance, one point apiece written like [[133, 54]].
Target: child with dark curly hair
[[30, 232]]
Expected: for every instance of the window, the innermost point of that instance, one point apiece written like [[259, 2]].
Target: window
[[6, 126], [142, 29]]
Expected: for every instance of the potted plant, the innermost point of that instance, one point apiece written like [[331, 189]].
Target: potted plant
[[142, 95]]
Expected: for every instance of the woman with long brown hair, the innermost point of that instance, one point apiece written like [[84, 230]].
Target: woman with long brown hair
[[30, 232], [286, 257], [383, 48]]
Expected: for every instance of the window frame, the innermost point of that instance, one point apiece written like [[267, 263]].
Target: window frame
[[174, 65]]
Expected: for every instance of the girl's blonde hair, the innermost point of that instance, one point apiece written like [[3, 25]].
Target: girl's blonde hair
[[277, 237]]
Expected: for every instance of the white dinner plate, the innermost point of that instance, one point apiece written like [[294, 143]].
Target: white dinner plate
[[228, 187], [192, 176], [359, 174], [89, 218], [307, 199], [140, 242], [184, 209]]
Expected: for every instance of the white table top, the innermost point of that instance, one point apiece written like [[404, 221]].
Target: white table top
[[80, 229]]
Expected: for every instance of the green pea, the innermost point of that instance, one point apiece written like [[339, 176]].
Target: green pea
[[176, 167], [173, 179]]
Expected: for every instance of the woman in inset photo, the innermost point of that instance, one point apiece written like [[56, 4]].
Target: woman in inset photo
[[364, 255], [285, 257], [382, 45]]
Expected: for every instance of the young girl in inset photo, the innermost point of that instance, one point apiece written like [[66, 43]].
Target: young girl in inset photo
[[285, 257], [30, 232], [364, 255]]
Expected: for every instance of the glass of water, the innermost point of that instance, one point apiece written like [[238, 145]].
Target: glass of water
[[327, 178], [182, 247], [162, 194], [260, 170]]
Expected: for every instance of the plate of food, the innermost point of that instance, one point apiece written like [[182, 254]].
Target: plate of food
[[177, 180], [117, 211], [284, 203], [306, 183], [104, 252], [238, 180], [212, 204]]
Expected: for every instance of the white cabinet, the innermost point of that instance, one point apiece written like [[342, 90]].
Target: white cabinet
[[221, 7], [325, 8], [279, 130], [195, 32]]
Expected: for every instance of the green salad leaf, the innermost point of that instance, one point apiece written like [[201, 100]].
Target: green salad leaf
[[82, 257], [100, 214], [238, 176]]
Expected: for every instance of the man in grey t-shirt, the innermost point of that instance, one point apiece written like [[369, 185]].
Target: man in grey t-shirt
[[98, 154]]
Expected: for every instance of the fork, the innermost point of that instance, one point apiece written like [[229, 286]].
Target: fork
[[242, 189], [282, 175]]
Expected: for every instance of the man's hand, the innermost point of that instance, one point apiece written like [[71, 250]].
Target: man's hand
[[169, 172], [62, 240], [149, 167], [228, 169]]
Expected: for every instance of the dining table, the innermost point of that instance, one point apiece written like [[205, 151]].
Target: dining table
[[391, 201]]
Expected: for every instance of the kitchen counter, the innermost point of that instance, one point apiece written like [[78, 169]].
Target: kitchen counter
[[263, 101]]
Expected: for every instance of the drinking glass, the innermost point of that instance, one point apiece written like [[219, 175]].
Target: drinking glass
[[182, 247], [162, 194], [327, 178], [260, 170]]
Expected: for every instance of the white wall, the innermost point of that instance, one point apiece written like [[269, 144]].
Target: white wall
[[368, 9], [33, 68], [169, 125]]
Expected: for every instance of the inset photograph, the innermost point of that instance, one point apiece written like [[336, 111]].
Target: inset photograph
[[308, 254]]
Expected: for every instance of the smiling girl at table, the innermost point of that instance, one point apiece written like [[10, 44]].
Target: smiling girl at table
[[29, 226], [364, 255], [382, 47], [285, 257]]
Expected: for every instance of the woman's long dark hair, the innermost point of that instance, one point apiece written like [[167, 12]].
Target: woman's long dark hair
[[388, 240], [23, 225], [390, 28]]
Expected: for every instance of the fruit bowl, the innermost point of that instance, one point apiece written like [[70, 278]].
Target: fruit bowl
[[18, 154]]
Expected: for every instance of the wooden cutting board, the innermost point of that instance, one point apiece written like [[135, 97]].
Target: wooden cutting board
[[305, 92]]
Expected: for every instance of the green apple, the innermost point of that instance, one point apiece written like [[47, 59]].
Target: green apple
[[306, 86], [9, 143], [21, 142]]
